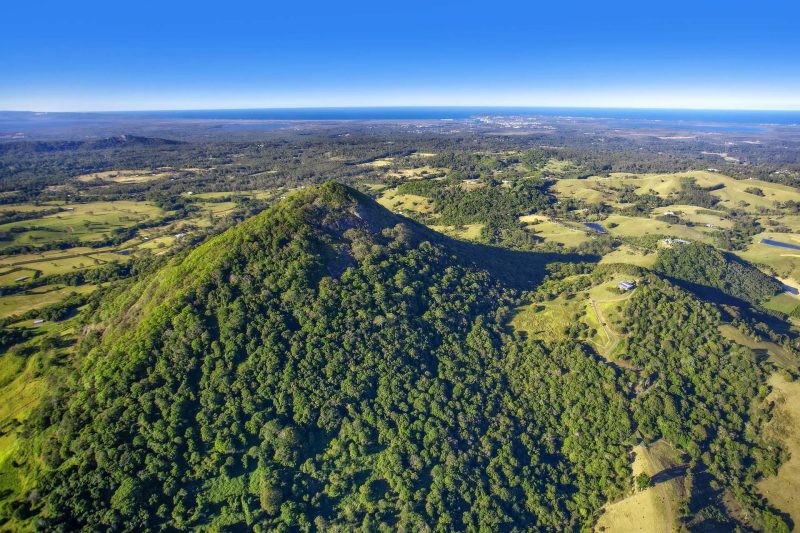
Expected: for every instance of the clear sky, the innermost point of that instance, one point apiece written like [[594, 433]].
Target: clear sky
[[80, 55]]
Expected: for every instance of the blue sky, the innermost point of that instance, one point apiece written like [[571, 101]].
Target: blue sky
[[70, 56]]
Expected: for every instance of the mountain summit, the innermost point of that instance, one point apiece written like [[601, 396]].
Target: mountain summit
[[324, 365], [328, 365]]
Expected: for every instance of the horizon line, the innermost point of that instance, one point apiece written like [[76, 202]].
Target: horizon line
[[426, 106]]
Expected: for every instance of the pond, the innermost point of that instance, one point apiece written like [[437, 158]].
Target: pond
[[780, 244], [595, 226]]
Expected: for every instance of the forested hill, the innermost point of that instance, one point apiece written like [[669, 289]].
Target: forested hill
[[119, 141], [326, 366], [704, 265], [322, 362]]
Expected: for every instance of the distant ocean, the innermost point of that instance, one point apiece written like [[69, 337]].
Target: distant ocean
[[460, 113], [13, 122]]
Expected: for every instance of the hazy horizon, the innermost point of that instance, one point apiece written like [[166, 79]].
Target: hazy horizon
[[401, 106]]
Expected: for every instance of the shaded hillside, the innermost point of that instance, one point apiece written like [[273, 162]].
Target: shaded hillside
[[700, 264]]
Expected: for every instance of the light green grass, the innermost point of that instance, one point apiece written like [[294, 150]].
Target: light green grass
[[123, 176], [697, 215], [548, 320], [555, 232], [17, 304], [784, 261], [11, 277], [394, 201], [626, 254], [556, 165], [654, 509], [600, 188], [470, 232], [783, 490], [783, 303], [86, 222], [625, 226]]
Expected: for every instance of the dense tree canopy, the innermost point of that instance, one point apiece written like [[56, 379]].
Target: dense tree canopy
[[327, 366]]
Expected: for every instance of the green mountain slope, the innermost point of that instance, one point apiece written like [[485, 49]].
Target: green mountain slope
[[704, 265], [327, 365], [322, 364]]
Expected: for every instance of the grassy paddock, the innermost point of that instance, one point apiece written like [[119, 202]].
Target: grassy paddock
[[124, 176], [397, 202], [631, 256], [470, 232], [784, 261], [555, 232], [783, 490], [87, 222], [653, 509], [17, 304]]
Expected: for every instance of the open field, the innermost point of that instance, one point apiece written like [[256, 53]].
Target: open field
[[783, 490], [17, 304], [625, 226], [417, 173], [784, 261], [697, 215], [731, 192], [631, 256], [548, 320], [61, 261], [585, 190], [11, 277], [470, 232], [396, 202], [555, 232], [380, 163], [556, 165], [222, 195], [605, 306], [124, 176], [783, 303], [85, 222], [655, 508], [551, 320]]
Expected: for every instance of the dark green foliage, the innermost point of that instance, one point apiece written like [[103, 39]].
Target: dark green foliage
[[327, 368], [705, 265], [496, 205], [327, 365], [696, 388], [740, 235], [693, 194]]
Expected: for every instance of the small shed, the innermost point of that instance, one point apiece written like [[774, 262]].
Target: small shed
[[626, 285]]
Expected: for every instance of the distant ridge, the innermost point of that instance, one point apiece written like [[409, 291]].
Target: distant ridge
[[119, 141]]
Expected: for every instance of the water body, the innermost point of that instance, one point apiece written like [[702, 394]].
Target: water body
[[459, 113], [595, 226], [790, 289], [780, 244], [620, 116]]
